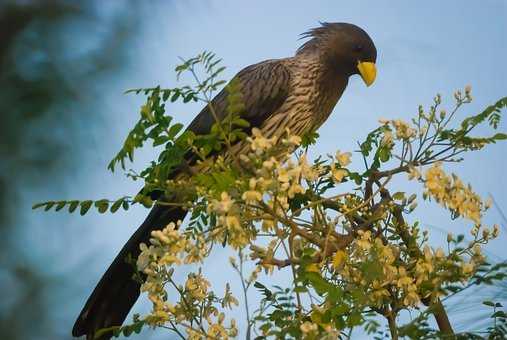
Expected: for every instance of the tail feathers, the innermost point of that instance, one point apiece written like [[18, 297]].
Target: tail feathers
[[116, 292]]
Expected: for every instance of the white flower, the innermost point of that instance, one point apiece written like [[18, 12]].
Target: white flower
[[343, 158], [251, 196], [338, 174], [308, 327], [224, 205], [468, 268]]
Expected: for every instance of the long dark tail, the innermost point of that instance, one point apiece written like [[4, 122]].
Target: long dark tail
[[116, 292]]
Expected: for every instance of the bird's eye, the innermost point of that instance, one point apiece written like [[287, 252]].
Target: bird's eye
[[358, 48]]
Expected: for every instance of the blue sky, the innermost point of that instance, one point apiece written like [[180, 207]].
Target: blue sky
[[423, 48]]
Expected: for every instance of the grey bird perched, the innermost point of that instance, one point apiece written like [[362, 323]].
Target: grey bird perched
[[297, 93]]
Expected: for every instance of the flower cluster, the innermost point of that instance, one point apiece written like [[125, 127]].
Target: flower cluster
[[271, 178], [172, 247], [452, 193], [388, 274], [338, 170], [350, 251], [402, 129], [229, 221]]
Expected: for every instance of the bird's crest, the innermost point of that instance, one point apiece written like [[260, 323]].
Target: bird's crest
[[324, 34], [317, 35]]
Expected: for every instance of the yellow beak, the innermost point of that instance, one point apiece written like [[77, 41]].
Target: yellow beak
[[368, 72]]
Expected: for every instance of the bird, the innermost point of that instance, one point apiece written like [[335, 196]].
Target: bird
[[296, 93]]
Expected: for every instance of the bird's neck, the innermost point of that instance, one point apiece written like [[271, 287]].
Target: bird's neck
[[331, 84], [328, 86]]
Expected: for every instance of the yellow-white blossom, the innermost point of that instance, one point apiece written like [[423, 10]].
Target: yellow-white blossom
[[338, 174], [403, 129], [343, 158], [452, 193], [308, 327]]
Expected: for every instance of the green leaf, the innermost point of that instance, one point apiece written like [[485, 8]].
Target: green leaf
[[499, 314], [173, 130], [398, 196], [73, 205], [38, 205], [102, 205], [309, 138], [320, 285], [356, 177], [60, 205], [384, 154], [175, 96], [474, 120], [264, 290], [241, 123], [116, 205], [354, 319], [500, 136], [85, 206], [137, 327], [489, 303], [144, 200], [127, 330], [217, 72], [335, 294], [49, 205]]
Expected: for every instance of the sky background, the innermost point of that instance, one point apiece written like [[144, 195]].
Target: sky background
[[424, 48]]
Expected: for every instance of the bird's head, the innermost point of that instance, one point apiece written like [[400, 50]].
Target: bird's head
[[344, 48]]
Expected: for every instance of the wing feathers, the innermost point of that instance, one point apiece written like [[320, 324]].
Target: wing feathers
[[264, 88]]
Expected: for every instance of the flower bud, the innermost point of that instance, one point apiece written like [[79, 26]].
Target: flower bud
[[475, 230], [496, 231], [438, 99], [449, 238], [485, 233]]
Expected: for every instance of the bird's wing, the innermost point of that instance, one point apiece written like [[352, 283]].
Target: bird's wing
[[264, 87]]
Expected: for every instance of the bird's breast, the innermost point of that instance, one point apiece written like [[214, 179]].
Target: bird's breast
[[308, 104]]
